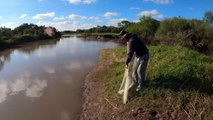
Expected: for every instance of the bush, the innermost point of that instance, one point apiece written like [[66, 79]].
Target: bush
[[173, 29], [194, 34], [21, 39], [146, 28]]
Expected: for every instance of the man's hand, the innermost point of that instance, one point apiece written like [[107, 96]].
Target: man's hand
[[126, 66]]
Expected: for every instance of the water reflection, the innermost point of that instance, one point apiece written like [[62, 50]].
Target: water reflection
[[26, 49], [4, 56], [45, 79], [31, 87], [49, 70]]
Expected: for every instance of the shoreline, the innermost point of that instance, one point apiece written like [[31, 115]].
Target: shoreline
[[92, 102], [16, 45], [99, 37]]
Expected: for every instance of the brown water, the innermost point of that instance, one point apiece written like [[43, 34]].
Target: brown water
[[44, 80]]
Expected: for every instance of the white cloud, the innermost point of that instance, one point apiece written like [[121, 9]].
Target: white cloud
[[135, 21], [97, 19], [44, 15], [59, 18], [88, 1], [23, 16], [110, 14], [81, 1], [75, 16], [152, 13], [8, 24], [114, 22], [67, 25], [134, 8], [1, 17], [165, 2]]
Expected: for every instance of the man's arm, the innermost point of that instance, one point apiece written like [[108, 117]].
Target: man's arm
[[130, 52]]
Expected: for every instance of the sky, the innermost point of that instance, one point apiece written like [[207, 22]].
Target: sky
[[84, 14]]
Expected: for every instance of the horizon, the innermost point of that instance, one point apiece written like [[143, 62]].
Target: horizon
[[85, 14]]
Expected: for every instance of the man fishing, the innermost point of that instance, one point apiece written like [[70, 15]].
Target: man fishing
[[136, 46]]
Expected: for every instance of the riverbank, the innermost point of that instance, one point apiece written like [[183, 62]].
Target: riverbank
[[26, 33], [4, 46], [178, 87], [100, 36]]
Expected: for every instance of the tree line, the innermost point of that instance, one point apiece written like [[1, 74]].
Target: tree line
[[24, 33], [192, 33]]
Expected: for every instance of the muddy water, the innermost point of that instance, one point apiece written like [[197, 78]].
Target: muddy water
[[44, 80]]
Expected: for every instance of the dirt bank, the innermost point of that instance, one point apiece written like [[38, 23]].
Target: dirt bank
[[93, 106]]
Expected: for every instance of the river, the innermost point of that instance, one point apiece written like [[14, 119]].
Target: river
[[44, 80]]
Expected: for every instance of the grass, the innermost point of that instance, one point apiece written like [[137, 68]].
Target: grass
[[178, 78]]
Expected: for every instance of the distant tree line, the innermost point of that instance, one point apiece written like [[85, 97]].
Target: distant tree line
[[192, 33], [24, 33], [100, 29]]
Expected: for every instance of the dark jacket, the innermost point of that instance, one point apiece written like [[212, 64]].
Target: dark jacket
[[137, 46]]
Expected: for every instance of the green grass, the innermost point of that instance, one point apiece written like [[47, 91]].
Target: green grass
[[177, 78]]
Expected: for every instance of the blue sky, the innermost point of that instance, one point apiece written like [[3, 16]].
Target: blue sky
[[83, 14]]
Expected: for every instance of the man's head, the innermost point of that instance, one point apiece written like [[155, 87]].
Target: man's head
[[123, 34]]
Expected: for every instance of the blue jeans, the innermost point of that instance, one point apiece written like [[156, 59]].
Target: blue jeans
[[139, 70]]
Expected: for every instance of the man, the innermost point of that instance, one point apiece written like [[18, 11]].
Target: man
[[136, 46]]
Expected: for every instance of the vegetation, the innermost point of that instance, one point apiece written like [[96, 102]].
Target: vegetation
[[24, 33], [191, 33], [145, 28], [208, 17], [179, 83], [194, 34], [101, 29]]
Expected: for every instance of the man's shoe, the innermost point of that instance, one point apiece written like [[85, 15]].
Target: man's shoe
[[138, 88]]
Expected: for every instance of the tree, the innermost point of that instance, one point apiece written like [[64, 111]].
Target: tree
[[145, 28], [208, 17], [5, 33], [124, 24]]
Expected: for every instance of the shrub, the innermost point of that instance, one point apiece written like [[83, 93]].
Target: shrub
[[21, 39], [194, 34], [146, 28]]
